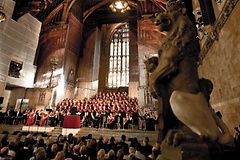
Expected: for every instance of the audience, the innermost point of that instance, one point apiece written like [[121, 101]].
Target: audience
[[87, 148]]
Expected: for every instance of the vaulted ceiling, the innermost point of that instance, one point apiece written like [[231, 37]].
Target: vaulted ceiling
[[90, 12], [100, 10]]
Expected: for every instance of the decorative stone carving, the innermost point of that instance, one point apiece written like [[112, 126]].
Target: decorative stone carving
[[219, 23]]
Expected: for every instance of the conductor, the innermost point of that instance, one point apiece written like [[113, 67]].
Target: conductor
[[73, 110]]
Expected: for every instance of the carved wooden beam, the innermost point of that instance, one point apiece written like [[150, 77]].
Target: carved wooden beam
[[23, 7]]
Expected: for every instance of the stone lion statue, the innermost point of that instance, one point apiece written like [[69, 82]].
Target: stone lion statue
[[186, 112]]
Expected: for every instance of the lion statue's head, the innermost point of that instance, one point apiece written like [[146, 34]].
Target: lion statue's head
[[180, 30]]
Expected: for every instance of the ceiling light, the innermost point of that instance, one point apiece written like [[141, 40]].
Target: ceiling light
[[120, 5], [2, 14]]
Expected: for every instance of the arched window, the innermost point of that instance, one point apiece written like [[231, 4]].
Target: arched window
[[118, 75]]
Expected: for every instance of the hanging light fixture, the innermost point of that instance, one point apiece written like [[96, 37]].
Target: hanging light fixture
[[2, 14], [120, 5]]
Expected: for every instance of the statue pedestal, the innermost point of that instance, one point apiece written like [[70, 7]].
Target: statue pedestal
[[192, 151]]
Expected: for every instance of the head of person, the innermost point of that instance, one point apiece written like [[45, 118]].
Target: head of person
[[101, 154], [4, 151], [83, 150], [131, 157], [54, 148], [120, 154], [123, 137], [60, 156], [41, 154], [131, 150], [111, 154], [138, 146], [146, 141]]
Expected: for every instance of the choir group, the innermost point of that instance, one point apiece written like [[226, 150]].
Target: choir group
[[103, 110]]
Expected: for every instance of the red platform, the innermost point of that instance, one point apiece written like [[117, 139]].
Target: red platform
[[71, 122]]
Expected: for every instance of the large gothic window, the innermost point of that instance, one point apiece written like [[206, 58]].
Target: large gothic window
[[118, 75]]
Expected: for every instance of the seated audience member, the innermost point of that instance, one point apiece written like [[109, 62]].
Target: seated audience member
[[101, 154], [40, 143], [12, 150], [92, 149], [100, 144], [31, 139], [18, 141], [4, 140], [132, 157], [120, 154], [39, 154], [83, 153], [237, 138], [76, 152], [26, 152], [138, 152], [4, 153], [60, 156], [146, 147], [125, 150], [131, 150], [156, 150], [122, 142], [133, 142], [111, 155], [49, 142], [53, 153], [112, 145]]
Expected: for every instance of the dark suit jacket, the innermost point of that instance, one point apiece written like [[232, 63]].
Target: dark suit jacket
[[24, 154]]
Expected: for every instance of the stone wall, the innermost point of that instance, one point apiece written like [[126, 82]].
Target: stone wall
[[222, 66], [18, 43]]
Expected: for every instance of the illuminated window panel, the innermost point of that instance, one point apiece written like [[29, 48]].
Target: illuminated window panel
[[118, 74]]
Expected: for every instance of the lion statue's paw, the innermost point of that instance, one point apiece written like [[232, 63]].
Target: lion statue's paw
[[176, 137]]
